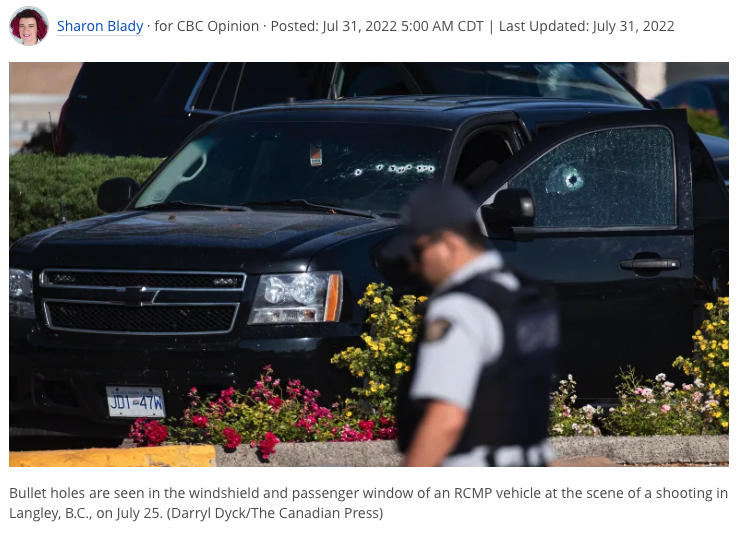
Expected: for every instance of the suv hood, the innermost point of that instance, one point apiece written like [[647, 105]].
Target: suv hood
[[249, 241]]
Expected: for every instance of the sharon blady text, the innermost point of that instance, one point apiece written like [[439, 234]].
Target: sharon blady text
[[35, 514], [114, 26]]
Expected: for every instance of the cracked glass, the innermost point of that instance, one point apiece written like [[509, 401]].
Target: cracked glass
[[619, 177]]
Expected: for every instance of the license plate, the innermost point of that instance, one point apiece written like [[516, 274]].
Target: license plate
[[135, 401]]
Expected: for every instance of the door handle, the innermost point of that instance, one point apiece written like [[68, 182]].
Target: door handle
[[650, 264]]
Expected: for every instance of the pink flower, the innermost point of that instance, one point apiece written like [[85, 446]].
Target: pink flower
[[233, 438], [664, 408], [267, 445], [275, 403], [687, 387], [200, 421]]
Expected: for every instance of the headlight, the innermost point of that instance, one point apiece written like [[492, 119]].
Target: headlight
[[21, 294], [297, 298]]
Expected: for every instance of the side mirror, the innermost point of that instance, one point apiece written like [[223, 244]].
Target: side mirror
[[511, 208], [656, 104], [116, 193]]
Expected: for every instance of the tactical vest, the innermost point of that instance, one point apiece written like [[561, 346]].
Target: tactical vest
[[511, 403]]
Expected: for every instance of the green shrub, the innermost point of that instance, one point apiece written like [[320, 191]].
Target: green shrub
[[387, 350], [568, 420], [710, 362], [656, 407], [35, 192], [706, 122]]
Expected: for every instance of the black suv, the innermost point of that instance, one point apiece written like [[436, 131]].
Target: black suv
[[252, 244]]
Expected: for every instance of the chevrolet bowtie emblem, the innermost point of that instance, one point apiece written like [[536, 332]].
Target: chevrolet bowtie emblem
[[137, 296]]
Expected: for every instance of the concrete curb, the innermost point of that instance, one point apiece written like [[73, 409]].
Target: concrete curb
[[620, 450], [647, 450]]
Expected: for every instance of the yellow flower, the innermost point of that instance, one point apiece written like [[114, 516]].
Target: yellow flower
[[717, 392], [725, 344], [374, 316], [717, 414], [412, 319], [382, 386], [360, 374], [382, 346], [348, 414], [369, 293], [711, 385], [407, 368], [373, 389], [724, 424], [709, 306], [696, 369], [726, 392], [713, 344], [424, 299], [366, 393], [408, 339], [393, 316], [399, 365], [377, 300], [725, 364], [711, 355]]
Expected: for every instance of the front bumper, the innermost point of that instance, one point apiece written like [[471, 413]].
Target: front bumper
[[66, 379]]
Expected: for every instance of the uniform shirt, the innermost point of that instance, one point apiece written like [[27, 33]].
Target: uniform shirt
[[448, 367]]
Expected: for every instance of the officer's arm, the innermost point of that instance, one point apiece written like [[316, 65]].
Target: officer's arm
[[462, 334], [437, 434]]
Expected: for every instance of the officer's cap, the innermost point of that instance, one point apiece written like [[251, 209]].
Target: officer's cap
[[430, 209]]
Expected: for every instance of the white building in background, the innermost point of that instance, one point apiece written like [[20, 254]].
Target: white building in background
[[651, 78]]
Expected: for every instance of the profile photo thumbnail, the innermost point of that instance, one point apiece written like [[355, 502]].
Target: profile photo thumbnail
[[29, 26]]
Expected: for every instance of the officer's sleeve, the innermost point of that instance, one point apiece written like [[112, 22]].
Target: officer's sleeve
[[462, 335]]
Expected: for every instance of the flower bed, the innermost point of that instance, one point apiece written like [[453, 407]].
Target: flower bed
[[270, 412]]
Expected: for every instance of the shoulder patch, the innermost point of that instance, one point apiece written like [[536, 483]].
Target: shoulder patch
[[437, 329]]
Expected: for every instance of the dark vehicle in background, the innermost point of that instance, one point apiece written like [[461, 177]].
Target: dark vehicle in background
[[707, 94], [252, 244], [148, 109]]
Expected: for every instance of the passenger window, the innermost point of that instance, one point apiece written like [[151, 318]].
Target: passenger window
[[481, 156], [372, 79], [619, 177], [272, 83], [213, 92], [233, 86]]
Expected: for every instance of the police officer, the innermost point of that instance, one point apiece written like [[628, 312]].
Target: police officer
[[478, 390]]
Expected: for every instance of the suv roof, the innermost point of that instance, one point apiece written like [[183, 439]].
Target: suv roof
[[441, 110]]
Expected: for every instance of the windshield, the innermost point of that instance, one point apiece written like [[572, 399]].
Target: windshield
[[370, 167], [577, 81]]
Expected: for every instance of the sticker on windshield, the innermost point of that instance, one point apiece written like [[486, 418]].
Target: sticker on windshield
[[316, 157]]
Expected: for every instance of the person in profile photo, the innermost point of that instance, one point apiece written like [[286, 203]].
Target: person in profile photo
[[29, 25]]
